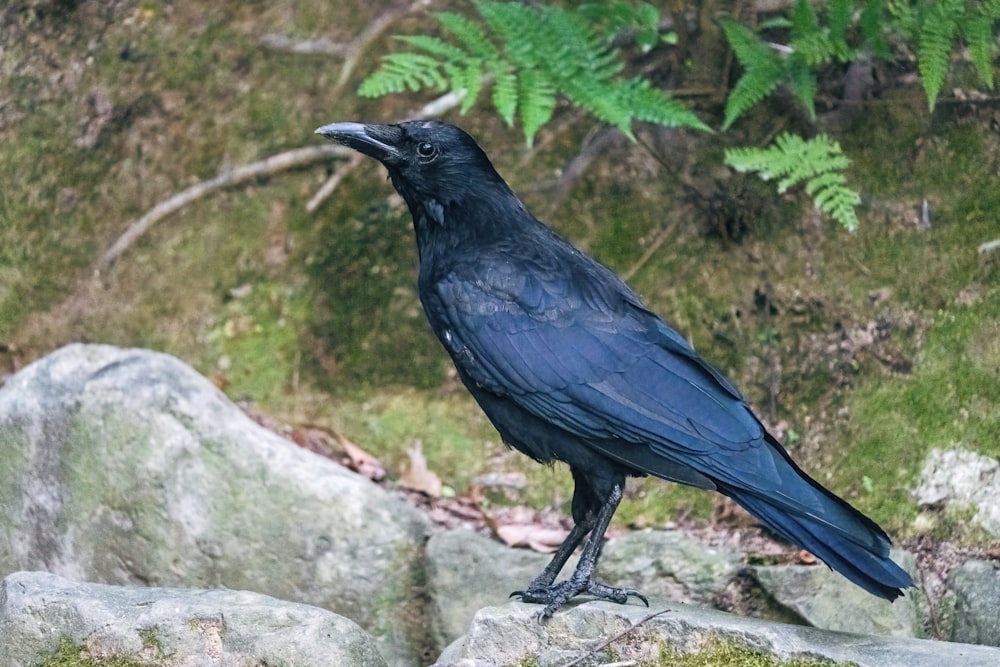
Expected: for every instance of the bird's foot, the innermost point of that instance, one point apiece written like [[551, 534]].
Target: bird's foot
[[557, 595]]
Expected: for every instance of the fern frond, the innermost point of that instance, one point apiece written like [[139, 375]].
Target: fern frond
[[653, 105], [872, 28], [808, 41], [505, 96], [819, 163], [763, 70], [469, 34], [537, 98], [470, 79], [978, 31], [839, 14], [401, 71], [937, 33], [802, 82], [532, 54]]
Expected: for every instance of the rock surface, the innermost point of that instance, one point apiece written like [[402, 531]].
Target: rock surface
[[41, 613], [127, 467], [467, 571], [976, 587], [960, 480], [511, 633], [669, 564], [826, 600]]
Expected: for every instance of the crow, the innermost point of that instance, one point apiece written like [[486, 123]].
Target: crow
[[569, 365]]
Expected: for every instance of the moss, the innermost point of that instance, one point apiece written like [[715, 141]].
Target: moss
[[725, 652], [947, 402], [258, 345], [70, 654]]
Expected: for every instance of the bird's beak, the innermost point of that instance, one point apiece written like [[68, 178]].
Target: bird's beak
[[377, 141]]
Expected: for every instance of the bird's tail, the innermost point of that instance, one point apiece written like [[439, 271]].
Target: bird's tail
[[829, 528]]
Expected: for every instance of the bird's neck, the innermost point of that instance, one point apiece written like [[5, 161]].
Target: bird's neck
[[470, 223]]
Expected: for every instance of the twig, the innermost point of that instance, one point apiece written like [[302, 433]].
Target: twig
[[321, 46], [299, 157], [371, 33], [349, 51], [331, 183], [600, 647], [660, 239]]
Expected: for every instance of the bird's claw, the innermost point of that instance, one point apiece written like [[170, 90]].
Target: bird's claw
[[556, 595]]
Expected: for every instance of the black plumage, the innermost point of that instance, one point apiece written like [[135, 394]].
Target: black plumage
[[569, 365]]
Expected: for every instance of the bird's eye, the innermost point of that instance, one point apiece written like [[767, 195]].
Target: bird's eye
[[426, 149]]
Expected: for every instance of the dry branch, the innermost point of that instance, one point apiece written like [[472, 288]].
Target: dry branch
[[350, 51], [299, 157]]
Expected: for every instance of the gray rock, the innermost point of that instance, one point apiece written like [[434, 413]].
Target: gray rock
[[127, 467], [670, 565], [511, 634], [976, 587], [826, 600], [467, 571], [961, 480], [39, 612]]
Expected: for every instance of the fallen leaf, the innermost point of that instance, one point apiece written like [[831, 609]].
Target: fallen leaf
[[361, 461], [417, 476], [532, 535], [806, 558], [326, 442]]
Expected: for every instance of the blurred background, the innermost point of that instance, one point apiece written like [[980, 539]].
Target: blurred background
[[864, 351]]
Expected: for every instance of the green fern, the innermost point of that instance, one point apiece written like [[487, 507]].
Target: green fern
[[767, 65], [764, 70], [818, 162], [531, 55], [939, 28]]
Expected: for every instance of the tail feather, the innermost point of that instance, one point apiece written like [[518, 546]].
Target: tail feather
[[843, 549]]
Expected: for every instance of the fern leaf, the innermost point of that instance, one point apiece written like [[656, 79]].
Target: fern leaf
[[872, 28], [401, 71], [838, 17], [657, 106], [537, 101], [434, 46], [763, 73], [819, 163], [469, 79], [469, 34], [832, 196], [505, 96], [808, 40], [937, 33], [979, 36], [802, 82]]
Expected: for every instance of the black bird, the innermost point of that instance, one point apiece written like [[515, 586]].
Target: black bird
[[570, 366]]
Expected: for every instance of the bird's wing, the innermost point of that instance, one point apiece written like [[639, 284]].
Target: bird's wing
[[581, 354]]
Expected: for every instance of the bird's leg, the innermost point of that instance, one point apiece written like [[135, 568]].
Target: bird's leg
[[554, 596], [543, 581]]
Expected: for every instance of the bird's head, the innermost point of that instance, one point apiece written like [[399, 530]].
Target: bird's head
[[428, 161]]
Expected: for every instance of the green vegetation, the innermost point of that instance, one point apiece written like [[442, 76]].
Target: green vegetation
[[314, 318], [721, 652], [532, 53], [71, 655], [818, 162]]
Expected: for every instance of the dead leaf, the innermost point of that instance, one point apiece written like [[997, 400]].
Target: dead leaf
[[806, 558], [361, 461], [532, 535], [326, 442], [417, 476]]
